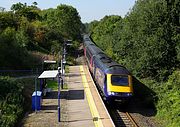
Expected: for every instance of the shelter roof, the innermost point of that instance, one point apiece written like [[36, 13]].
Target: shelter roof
[[49, 61], [49, 74]]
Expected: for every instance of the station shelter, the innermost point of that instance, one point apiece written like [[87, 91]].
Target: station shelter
[[49, 74]]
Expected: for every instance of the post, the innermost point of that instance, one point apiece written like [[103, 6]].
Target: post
[[36, 95], [40, 81], [42, 66], [59, 83], [59, 59], [62, 71]]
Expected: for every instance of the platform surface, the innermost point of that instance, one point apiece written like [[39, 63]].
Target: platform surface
[[85, 107], [79, 114], [80, 104]]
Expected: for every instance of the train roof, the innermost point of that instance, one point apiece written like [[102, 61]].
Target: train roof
[[94, 50], [86, 37], [87, 43], [102, 60], [109, 66]]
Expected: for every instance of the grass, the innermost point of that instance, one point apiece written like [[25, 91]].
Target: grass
[[67, 69], [65, 86], [54, 86]]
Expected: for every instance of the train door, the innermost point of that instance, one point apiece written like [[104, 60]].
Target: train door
[[84, 50], [92, 63], [105, 85]]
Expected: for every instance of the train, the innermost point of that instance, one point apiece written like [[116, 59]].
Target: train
[[112, 79]]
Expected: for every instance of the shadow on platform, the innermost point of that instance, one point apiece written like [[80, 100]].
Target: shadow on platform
[[68, 95], [74, 74], [49, 107], [76, 94]]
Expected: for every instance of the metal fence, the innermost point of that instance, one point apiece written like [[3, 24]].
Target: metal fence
[[17, 73]]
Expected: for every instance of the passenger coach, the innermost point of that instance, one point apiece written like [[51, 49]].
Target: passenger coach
[[114, 80]]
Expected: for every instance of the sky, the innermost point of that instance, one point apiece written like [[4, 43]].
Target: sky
[[89, 10]]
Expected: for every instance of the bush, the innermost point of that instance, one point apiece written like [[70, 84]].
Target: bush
[[168, 104], [165, 98], [11, 102]]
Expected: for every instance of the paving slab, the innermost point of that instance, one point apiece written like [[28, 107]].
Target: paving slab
[[79, 114]]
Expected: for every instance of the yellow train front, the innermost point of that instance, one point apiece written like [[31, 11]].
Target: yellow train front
[[118, 85], [114, 80]]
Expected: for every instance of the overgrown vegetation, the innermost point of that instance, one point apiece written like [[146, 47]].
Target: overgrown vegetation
[[27, 28], [166, 99], [11, 102], [29, 35], [147, 42]]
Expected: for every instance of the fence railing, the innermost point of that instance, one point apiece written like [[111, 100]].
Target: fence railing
[[16, 73]]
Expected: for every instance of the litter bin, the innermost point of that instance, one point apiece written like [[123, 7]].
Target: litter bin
[[36, 100]]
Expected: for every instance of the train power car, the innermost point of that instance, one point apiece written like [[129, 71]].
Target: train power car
[[114, 80]]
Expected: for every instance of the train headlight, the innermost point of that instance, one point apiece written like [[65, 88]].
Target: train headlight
[[111, 93], [129, 94]]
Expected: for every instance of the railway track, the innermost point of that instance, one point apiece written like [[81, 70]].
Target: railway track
[[124, 120], [119, 117]]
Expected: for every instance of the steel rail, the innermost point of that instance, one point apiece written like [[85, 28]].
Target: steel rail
[[132, 120]]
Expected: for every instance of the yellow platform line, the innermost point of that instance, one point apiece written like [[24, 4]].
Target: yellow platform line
[[96, 118]]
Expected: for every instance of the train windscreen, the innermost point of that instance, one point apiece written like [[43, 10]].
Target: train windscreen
[[119, 80]]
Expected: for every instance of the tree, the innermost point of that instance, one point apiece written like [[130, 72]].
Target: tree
[[31, 12], [146, 41], [66, 20], [7, 19], [103, 33]]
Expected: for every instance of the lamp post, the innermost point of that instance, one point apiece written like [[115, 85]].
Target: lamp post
[[64, 52], [59, 84]]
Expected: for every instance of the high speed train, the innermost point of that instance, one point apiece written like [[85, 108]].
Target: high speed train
[[113, 80]]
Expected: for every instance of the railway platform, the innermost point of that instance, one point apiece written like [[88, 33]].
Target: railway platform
[[81, 105], [84, 106]]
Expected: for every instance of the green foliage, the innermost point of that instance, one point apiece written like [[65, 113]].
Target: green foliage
[[149, 46], [164, 96], [65, 20], [91, 26], [26, 27], [8, 57], [103, 32], [52, 84], [17, 56], [168, 94], [30, 12], [68, 21], [7, 19], [11, 104], [147, 42]]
